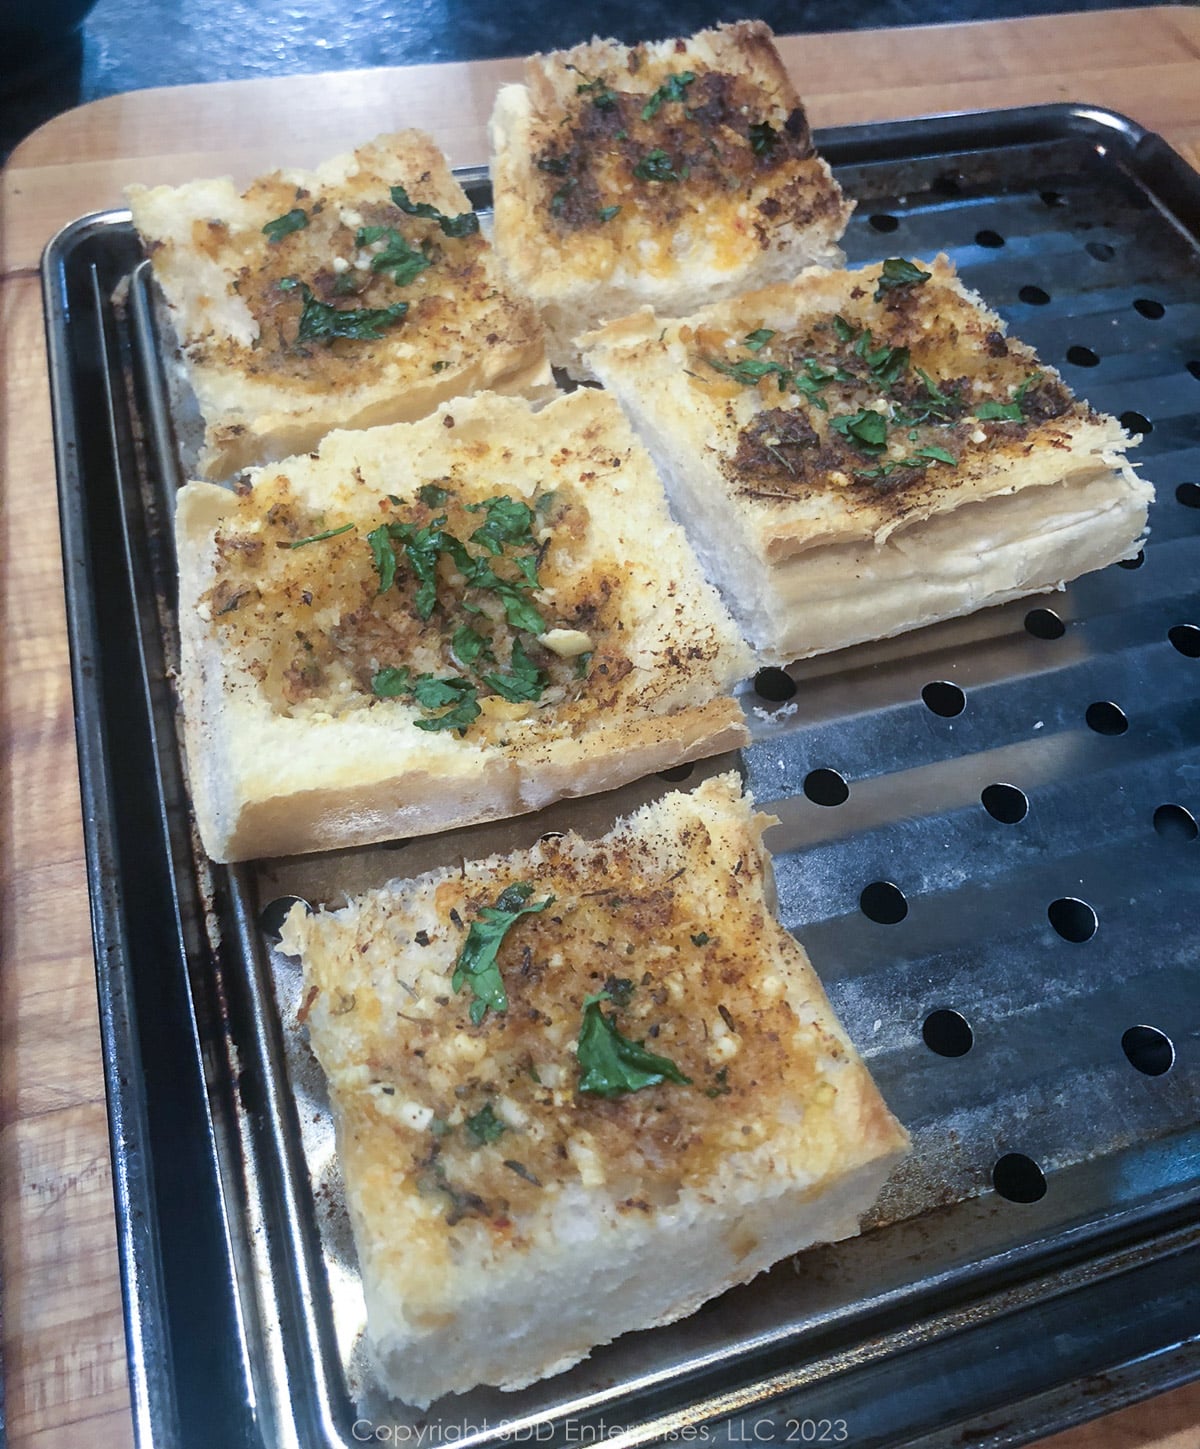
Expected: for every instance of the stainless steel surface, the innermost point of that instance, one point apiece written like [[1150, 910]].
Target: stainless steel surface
[[1013, 1053]]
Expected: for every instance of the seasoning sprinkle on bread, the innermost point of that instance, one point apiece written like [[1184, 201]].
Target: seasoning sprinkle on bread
[[580, 1090], [442, 622], [857, 453], [356, 294], [670, 174]]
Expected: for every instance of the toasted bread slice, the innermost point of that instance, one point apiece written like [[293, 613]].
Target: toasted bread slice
[[670, 174], [315, 300], [442, 622], [857, 453], [528, 1156]]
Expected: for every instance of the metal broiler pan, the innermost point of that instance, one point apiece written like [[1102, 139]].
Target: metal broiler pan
[[988, 846]]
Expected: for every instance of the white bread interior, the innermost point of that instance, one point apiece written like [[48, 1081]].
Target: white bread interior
[[274, 780], [264, 397], [644, 1205], [764, 228], [808, 570]]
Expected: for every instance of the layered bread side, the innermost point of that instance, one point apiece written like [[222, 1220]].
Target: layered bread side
[[356, 294], [668, 174], [580, 1090], [442, 622], [858, 453]]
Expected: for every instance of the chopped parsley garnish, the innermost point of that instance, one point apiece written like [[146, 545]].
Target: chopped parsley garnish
[[559, 200], [808, 380], [938, 455], [844, 330], [294, 220], [922, 458], [433, 495], [431, 693], [524, 680], [404, 263], [758, 339], [466, 223], [898, 273], [701, 938], [865, 429], [674, 88], [619, 988], [720, 1086], [485, 1126], [887, 364], [610, 1064], [476, 966], [320, 537], [602, 97], [1009, 412], [555, 165], [508, 521], [606, 213], [656, 165], [468, 645], [319, 322], [763, 138]]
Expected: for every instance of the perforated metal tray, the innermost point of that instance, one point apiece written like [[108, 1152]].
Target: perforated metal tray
[[988, 845]]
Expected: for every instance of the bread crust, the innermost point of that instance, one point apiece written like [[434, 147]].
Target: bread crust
[[827, 540], [264, 392], [290, 747], [583, 228], [625, 1212]]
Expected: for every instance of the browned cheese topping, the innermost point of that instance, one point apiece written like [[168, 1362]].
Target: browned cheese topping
[[672, 140], [903, 390], [509, 1118], [435, 600]]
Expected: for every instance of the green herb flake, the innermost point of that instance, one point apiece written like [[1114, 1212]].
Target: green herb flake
[[606, 213], [843, 330], [673, 89], [898, 273], [867, 430], [477, 966], [758, 339], [554, 165], [619, 988], [440, 366], [938, 455], [508, 521], [320, 537], [319, 322], [582, 661], [763, 138], [287, 284], [392, 683], [701, 938], [998, 412], [610, 1064], [888, 364], [432, 495], [466, 223], [468, 645], [720, 1086], [384, 556], [558, 201], [602, 97], [656, 165], [404, 263], [485, 1126], [294, 220], [524, 680]]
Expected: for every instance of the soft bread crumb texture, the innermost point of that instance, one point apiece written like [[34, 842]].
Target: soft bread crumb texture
[[237, 296], [669, 174], [857, 453], [302, 729], [507, 1223]]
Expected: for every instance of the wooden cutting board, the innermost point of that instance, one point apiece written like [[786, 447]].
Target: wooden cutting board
[[63, 1342]]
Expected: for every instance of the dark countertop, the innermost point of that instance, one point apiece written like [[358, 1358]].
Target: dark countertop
[[131, 44]]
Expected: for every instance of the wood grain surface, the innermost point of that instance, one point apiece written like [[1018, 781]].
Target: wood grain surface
[[63, 1343]]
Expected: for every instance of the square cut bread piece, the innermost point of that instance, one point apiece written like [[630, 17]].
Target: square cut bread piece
[[356, 294], [857, 453], [655, 1102], [443, 622], [669, 174]]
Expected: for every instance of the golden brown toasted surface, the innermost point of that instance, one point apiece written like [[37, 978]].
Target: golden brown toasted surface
[[898, 394], [339, 285], [666, 938], [501, 582], [686, 152]]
